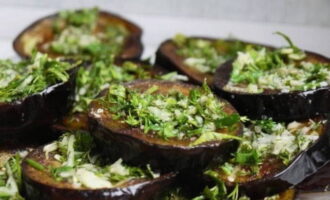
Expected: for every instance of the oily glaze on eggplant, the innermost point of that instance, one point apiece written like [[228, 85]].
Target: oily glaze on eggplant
[[277, 177], [167, 57], [40, 184], [119, 139], [41, 32], [319, 182], [38, 110], [281, 106]]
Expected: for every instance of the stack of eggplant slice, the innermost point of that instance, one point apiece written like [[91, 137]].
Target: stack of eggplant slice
[[251, 123], [106, 46], [284, 92]]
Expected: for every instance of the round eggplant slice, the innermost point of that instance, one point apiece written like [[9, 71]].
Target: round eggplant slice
[[39, 184], [40, 33], [275, 177], [38, 110], [168, 57], [281, 106], [118, 139]]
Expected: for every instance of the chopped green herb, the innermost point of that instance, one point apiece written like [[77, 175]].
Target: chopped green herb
[[212, 136], [83, 17], [205, 55], [85, 168], [250, 157], [36, 165], [284, 69], [11, 179], [91, 81], [266, 139], [76, 35], [19, 80], [173, 115]]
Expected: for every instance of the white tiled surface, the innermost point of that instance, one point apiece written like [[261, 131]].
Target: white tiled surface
[[158, 28]]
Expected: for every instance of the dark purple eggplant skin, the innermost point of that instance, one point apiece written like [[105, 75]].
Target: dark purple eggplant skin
[[36, 111], [296, 105], [37, 186], [304, 166], [135, 147], [132, 49]]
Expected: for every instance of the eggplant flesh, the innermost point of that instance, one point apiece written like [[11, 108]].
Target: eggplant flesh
[[304, 165], [40, 184], [41, 32], [118, 139], [296, 105], [39, 110], [166, 56]]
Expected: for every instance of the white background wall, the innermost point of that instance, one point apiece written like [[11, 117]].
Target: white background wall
[[306, 21], [302, 12]]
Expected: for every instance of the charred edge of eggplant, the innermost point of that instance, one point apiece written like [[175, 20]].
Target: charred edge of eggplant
[[79, 120], [132, 49], [167, 57], [305, 165], [40, 110], [296, 105], [36, 186], [127, 144]]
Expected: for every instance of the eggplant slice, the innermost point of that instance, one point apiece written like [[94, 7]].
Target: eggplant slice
[[289, 106], [38, 110], [167, 57], [119, 139], [79, 120], [275, 179], [41, 32], [40, 184]]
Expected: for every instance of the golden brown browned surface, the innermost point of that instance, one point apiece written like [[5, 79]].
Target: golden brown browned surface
[[168, 50]]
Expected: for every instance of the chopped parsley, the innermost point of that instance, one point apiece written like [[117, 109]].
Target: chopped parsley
[[265, 140], [284, 69], [19, 80], [11, 179], [78, 33], [100, 74], [82, 167], [205, 55], [199, 116]]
